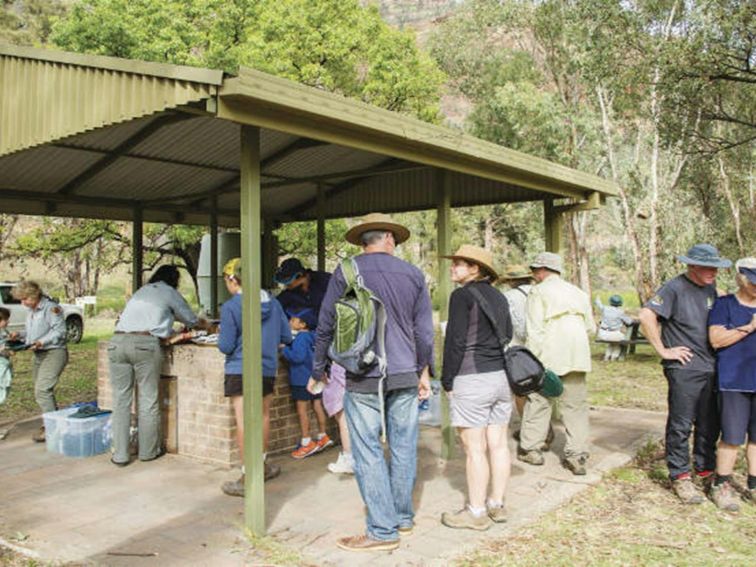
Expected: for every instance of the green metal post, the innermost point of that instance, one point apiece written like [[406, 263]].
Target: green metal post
[[443, 221], [269, 254], [254, 490], [137, 265], [321, 228], [553, 227], [214, 257]]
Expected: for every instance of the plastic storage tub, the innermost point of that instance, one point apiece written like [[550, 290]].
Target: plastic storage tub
[[77, 437]]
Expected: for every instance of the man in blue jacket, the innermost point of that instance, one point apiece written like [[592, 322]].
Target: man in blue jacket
[[386, 489], [275, 330]]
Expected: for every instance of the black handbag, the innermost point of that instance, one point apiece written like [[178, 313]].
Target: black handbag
[[524, 371]]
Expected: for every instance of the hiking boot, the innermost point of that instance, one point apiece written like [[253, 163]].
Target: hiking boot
[[365, 543], [39, 435], [497, 513], [234, 487], [686, 491], [533, 457], [324, 442], [303, 451], [576, 464], [546, 445], [704, 481], [724, 497], [343, 465], [464, 519], [271, 472], [406, 530]]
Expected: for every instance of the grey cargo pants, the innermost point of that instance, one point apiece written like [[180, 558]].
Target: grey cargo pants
[[46, 370], [135, 359], [574, 407]]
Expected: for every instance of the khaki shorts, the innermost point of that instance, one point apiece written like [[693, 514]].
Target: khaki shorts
[[480, 400]]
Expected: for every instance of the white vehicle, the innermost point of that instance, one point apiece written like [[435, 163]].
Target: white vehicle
[[74, 315]]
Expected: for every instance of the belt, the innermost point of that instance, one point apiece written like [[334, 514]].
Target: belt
[[142, 333]]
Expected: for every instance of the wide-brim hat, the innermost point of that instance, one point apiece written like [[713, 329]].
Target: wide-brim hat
[[376, 221], [747, 267], [515, 272], [704, 255], [548, 260], [475, 255]]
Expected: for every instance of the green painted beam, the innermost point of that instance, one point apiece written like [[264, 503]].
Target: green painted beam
[[269, 254], [553, 227], [137, 257], [214, 257], [254, 488], [161, 70], [321, 201], [443, 221]]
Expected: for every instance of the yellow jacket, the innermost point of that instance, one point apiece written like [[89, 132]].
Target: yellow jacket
[[559, 319]]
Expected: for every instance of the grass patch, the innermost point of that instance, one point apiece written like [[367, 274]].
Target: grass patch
[[630, 518], [636, 382], [272, 552], [78, 383]]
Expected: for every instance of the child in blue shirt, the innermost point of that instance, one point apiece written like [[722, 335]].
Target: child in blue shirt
[[299, 356]]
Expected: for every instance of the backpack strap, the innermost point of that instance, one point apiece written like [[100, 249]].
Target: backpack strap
[[488, 312], [350, 271], [522, 291]]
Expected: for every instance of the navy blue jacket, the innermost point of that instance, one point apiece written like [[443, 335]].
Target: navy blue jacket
[[275, 330], [299, 354]]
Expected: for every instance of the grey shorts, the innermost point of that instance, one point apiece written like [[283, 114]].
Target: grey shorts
[[479, 400]]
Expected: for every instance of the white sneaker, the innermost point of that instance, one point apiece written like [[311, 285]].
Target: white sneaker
[[343, 465]]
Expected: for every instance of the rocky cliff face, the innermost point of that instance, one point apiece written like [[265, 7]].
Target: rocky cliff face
[[418, 14]]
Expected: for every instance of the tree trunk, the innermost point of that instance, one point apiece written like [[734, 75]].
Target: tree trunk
[[724, 187]]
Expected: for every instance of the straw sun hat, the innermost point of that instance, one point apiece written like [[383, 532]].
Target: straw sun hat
[[476, 255], [376, 221]]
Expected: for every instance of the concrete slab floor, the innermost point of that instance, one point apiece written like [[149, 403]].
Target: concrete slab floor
[[172, 512]]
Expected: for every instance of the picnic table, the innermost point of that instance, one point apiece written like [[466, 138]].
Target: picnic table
[[633, 337]]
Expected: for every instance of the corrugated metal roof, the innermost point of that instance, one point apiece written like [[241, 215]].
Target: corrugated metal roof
[[171, 159], [44, 98]]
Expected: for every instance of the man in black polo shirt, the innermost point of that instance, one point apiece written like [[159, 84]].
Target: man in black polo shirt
[[675, 323]]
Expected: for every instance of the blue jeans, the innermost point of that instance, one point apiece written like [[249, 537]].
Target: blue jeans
[[386, 488]]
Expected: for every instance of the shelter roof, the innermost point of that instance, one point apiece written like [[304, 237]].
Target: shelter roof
[[94, 136]]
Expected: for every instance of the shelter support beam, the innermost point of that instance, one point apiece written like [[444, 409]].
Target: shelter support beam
[[254, 493], [321, 203], [214, 257], [269, 254], [443, 221], [137, 257], [553, 227]]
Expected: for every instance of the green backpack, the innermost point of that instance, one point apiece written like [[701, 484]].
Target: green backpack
[[360, 325]]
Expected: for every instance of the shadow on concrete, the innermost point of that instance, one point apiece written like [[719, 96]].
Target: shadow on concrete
[[86, 510]]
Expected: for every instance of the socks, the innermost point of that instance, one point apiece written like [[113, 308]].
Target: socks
[[751, 482], [491, 504], [477, 512], [305, 441], [720, 479], [319, 436]]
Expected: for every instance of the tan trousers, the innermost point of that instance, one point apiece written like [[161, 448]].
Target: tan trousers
[[573, 405]]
